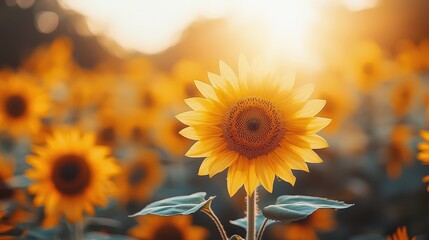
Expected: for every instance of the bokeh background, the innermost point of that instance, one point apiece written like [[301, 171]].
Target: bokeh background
[[121, 70]]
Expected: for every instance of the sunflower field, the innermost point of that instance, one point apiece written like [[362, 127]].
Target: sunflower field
[[214, 120]]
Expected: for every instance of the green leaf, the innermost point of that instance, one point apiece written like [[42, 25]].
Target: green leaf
[[242, 222], [180, 205], [293, 208]]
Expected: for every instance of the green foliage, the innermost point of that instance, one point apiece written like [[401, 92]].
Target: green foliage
[[242, 222], [293, 208], [179, 205]]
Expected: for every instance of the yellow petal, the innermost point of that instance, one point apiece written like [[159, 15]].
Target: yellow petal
[[227, 72], [303, 93], [307, 125], [243, 68], [423, 146], [424, 157], [206, 90], [282, 169], [204, 147], [217, 81], [309, 155], [425, 135], [224, 160], [199, 104], [291, 159], [252, 180], [311, 140], [287, 81], [265, 173], [198, 132], [311, 108], [194, 118], [204, 168], [237, 174]]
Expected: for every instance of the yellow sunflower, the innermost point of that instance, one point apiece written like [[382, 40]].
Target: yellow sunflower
[[404, 94], [22, 105], [71, 175], [256, 124], [424, 154], [139, 178], [400, 234], [167, 134], [153, 227], [399, 152], [6, 172]]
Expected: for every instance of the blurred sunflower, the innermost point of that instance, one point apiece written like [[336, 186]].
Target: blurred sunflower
[[340, 102], [153, 227], [403, 95], [320, 221], [408, 58], [184, 72], [23, 104], [398, 151], [368, 65], [6, 172], [139, 178], [256, 124], [71, 175], [400, 234], [424, 152], [167, 135]]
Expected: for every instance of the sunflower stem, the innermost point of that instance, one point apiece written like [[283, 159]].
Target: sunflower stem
[[251, 216], [262, 229], [216, 220]]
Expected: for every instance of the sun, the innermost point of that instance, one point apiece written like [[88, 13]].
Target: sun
[[70, 175], [257, 125]]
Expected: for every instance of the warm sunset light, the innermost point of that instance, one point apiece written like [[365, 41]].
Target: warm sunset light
[[214, 119]]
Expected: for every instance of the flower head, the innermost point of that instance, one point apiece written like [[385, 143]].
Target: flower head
[[256, 124], [71, 175]]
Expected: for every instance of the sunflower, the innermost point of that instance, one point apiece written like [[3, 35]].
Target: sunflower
[[400, 234], [368, 65], [167, 134], [340, 102], [139, 178], [398, 151], [23, 104], [6, 172], [256, 124], [71, 175], [424, 154], [153, 227], [403, 95]]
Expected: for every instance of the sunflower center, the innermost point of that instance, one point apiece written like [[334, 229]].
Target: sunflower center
[[15, 106], [253, 127], [168, 231], [137, 175], [71, 174]]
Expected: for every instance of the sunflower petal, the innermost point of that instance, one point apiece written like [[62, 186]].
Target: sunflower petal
[[307, 125], [287, 81], [282, 169], [227, 72], [199, 104], [303, 93], [224, 160], [265, 173], [204, 147], [206, 90], [217, 81], [243, 68], [425, 135], [311, 108], [204, 168], [236, 175], [252, 180]]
